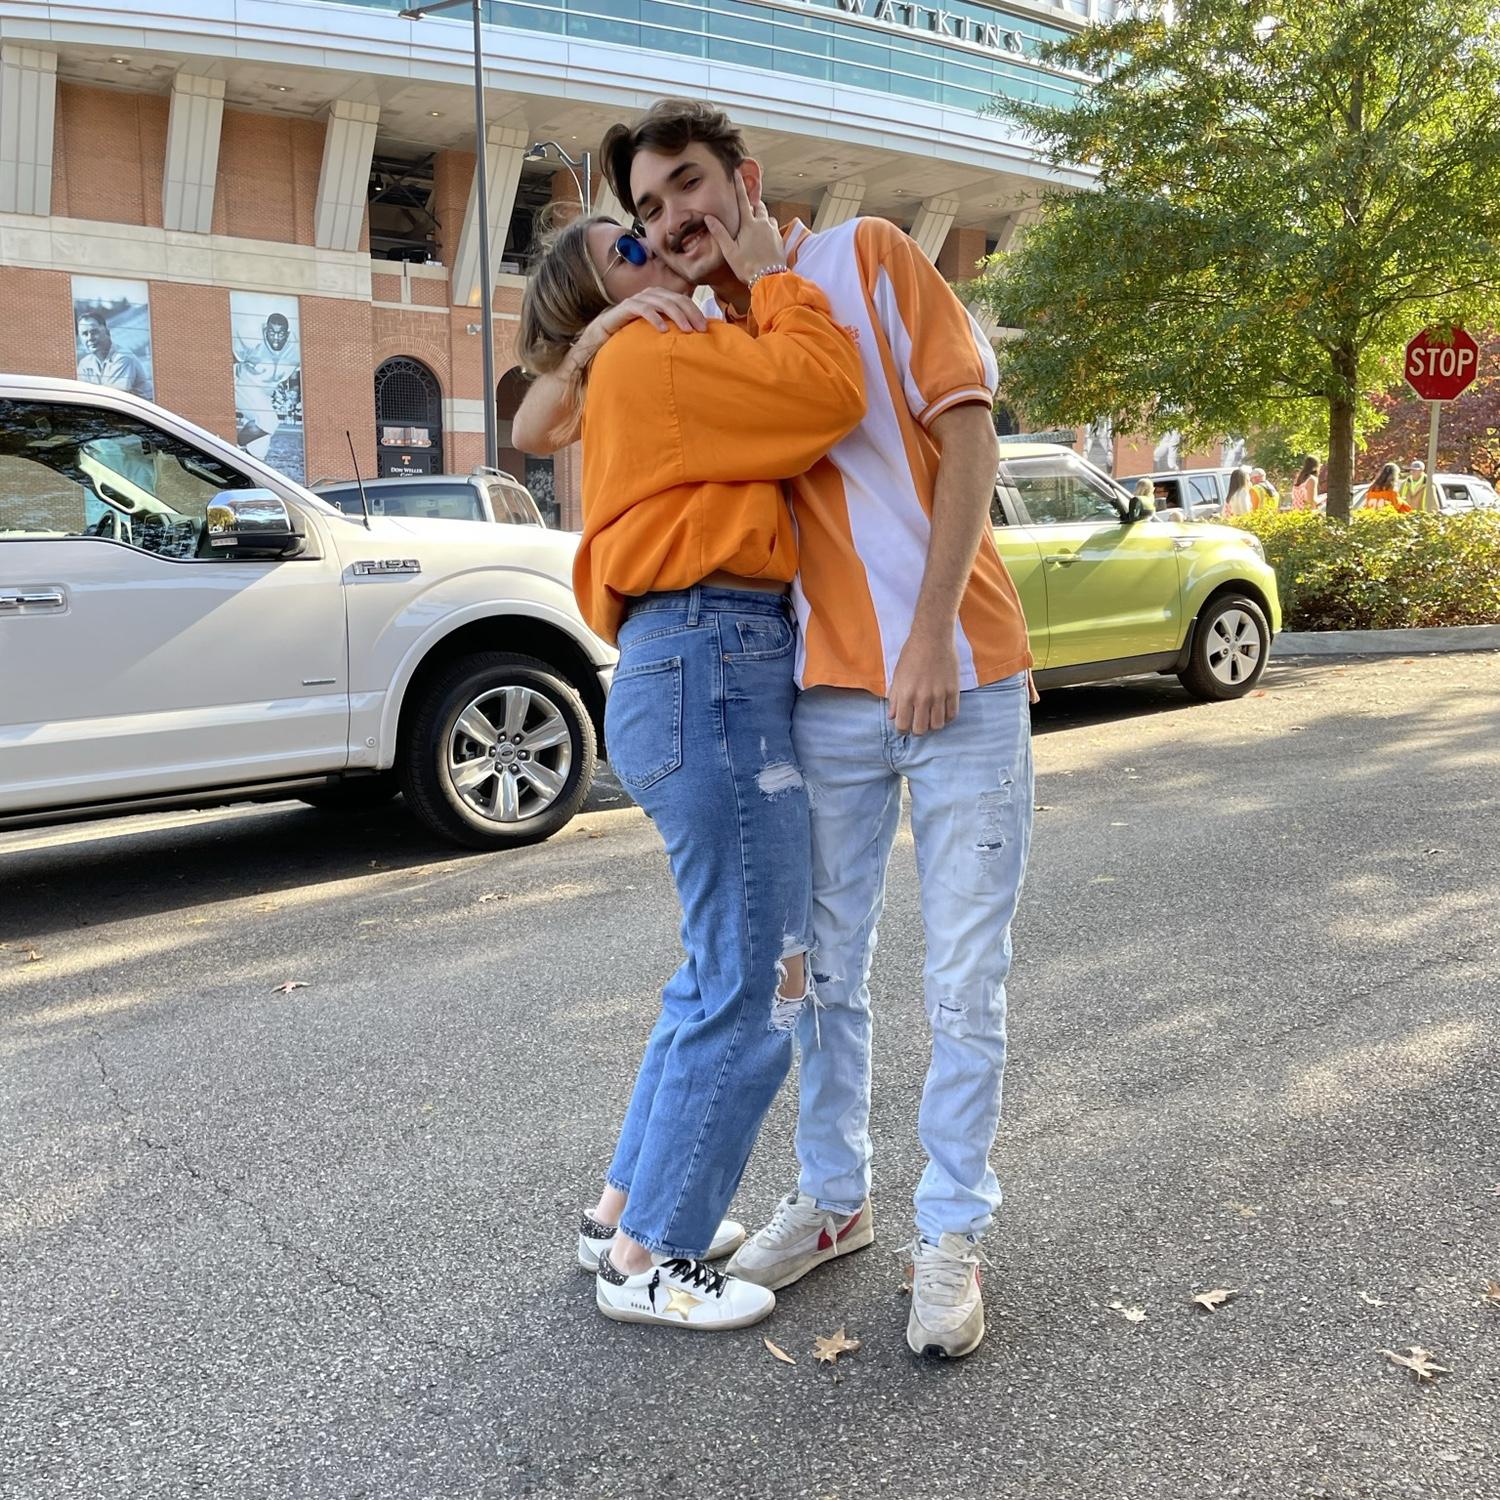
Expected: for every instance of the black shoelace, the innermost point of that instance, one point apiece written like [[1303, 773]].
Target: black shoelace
[[698, 1273]]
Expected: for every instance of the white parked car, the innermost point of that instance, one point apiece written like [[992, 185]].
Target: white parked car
[[484, 495], [182, 626]]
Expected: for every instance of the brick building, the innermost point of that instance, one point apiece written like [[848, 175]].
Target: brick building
[[217, 166]]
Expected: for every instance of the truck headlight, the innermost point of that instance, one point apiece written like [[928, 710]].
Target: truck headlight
[[1254, 544]]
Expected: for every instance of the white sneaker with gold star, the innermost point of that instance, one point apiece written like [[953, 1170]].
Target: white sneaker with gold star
[[594, 1238], [680, 1294], [947, 1312]]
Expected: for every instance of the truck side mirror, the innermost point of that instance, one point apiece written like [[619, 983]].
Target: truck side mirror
[[253, 523]]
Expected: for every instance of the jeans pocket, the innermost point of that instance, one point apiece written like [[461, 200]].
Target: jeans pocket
[[643, 722], [762, 638]]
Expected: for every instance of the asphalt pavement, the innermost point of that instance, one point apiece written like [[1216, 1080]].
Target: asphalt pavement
[[320, 1243]]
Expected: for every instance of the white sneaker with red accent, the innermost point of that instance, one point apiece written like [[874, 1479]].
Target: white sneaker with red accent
[[800, 1236], [947, 1312]]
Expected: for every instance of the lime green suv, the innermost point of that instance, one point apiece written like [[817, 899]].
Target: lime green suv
[[1111, 591]]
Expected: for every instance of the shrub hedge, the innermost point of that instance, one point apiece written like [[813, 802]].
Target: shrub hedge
[[1382, 571]]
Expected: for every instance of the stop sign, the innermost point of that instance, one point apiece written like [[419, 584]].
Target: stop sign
[[1439, 369]]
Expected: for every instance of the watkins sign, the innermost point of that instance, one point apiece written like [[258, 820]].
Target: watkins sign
[[933, 21]]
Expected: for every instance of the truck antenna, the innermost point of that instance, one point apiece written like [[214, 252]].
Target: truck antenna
[[364, 499]]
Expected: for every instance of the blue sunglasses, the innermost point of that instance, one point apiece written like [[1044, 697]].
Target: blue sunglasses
[[629, 248]]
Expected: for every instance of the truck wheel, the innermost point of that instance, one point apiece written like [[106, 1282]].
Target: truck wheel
[[498, 751], [354, 793], [1229, 650]]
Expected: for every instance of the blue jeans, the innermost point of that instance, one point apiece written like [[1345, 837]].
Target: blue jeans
[[699, 730], [971, 802]]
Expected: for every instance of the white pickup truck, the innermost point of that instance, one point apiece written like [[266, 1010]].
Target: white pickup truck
[[182, 626]]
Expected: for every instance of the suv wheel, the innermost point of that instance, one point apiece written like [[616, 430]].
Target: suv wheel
[[499, 751], [1229, 649]]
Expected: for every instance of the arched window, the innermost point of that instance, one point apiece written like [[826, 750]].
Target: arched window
[[408, 418]]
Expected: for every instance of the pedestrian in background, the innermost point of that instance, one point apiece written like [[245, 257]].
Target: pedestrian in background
[[1145, 490], [1415, 490], [1238, 502], [1385, 494], [1263, 493], [1305, 490]]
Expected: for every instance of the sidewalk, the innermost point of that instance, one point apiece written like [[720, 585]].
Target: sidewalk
[[1386, 642]]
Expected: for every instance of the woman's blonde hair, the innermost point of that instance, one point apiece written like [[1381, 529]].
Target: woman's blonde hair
[[564, 294]]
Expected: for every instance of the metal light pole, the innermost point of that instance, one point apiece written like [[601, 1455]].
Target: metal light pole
[[538, 152], [481, 182]]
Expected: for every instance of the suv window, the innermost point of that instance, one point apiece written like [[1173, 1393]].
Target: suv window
[[1205, 490], [444, 500], [512, 504], [1059, 490], [82, 471]]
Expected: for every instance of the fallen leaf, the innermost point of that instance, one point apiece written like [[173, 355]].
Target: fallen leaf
[[777, 1352], [1216, 1298], [593, 833], [1418, 1361], [289, 986], [1245, 1210], [1491, 1294], [904, 1290], [1295, 728], [1130, 1314], [828, 1347], [495, 896], [1044, 807], [32, 956], [1258, 693], [1373, 1301]]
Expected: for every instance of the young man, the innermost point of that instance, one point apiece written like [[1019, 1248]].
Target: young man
[[913, 664]]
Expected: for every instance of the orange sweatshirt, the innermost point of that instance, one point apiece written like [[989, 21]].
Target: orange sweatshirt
[[688, 436]]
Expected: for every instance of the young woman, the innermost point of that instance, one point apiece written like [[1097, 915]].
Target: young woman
[[687, 553], [1385, 493], [1239, 501], [1305, 490]]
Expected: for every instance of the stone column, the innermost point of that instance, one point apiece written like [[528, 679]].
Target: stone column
[[344, 182], [506, 145], [930, 227], [28, 110], [192, 169], [841, 202]]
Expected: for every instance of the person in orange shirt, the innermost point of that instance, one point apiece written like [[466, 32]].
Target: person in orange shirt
[[913, 663], [688, 549], [1385, 493]]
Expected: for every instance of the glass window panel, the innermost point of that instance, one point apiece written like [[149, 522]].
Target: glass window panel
[[529, 18], [742, 28], [926, 63], [598, 29], [916, 88], [724, 50], [683, 43], [848, 49], [678, 17], [864, 78], [957, 98], [794, 39], [802, 66]]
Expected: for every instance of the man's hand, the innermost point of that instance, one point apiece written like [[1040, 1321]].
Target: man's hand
[[924, 687]]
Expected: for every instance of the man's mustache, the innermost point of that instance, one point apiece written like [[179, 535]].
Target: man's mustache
[[674, 242]]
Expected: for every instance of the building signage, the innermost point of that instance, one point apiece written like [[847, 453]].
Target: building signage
[[931, 20]]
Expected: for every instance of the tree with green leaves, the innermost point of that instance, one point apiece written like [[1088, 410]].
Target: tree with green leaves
[[1286, 192]]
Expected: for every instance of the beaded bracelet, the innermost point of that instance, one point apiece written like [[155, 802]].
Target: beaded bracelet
[[775, 270]]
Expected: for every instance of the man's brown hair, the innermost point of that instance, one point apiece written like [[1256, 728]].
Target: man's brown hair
[[670, 126]]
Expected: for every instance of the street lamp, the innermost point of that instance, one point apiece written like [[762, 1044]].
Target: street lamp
[[538, 152], [481, 175]]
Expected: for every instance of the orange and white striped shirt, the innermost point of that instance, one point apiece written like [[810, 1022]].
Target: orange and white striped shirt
[[864, 512]]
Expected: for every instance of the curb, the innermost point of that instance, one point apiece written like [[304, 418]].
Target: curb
[[1386, 642]]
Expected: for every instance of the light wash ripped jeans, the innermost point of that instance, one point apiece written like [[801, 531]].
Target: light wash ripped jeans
[[699, 726], [971, 807]]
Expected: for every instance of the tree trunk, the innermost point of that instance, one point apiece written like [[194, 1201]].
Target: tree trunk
[[1341, 434]]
